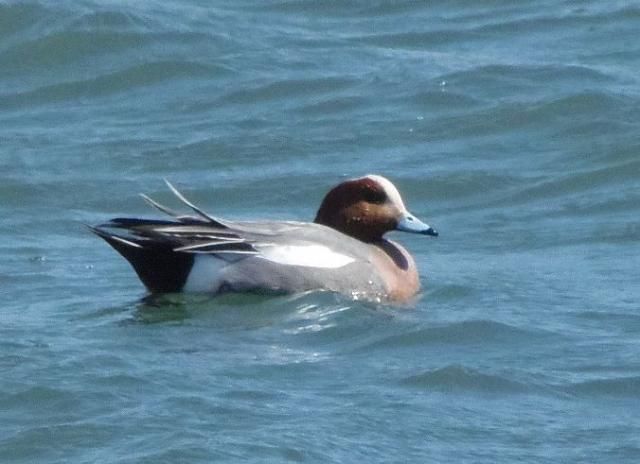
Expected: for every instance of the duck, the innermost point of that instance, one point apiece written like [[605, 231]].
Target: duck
[[344, 250]]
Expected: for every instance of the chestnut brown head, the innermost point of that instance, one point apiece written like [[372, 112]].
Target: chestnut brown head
[[366, 208]]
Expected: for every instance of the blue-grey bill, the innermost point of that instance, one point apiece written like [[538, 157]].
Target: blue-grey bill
[[410, 223]]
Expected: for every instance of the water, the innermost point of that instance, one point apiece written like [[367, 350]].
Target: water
[[511, 127]]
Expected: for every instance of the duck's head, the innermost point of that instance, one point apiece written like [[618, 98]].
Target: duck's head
[[368, 207]]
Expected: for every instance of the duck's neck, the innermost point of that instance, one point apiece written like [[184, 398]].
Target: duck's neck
[[395, 252]]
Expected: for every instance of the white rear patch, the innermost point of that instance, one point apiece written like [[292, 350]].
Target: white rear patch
[[205, 274], [305, 255]]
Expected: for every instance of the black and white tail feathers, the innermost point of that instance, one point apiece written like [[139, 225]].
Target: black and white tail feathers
[[162, 251]]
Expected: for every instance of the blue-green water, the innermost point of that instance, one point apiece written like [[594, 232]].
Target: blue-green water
[[512, 127]]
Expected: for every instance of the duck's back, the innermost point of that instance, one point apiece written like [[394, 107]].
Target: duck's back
[[291, 257]]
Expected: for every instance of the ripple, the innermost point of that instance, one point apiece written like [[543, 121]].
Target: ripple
[[467, 184], [457, 378], [333, 106], [575, 18], [415, 40], [109, 19], [299, 314], [287, 89], [619, 387], [466, 332], [38, 397], [451, 292], [517, 82], [312, 317], [442, 100], [585, 180], [350, 9], [65, 47], [583, 102], [142, 75], [19, 16], [567, 112]]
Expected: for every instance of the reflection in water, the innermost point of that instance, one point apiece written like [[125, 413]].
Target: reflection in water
[[310, 311]]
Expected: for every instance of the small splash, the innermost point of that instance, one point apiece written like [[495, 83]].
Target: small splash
[[313, 317], [370, 297], [280, 355]]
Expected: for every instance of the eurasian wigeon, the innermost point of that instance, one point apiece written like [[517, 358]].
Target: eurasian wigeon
[[343, 250]]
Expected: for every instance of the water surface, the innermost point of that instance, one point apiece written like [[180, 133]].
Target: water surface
[[510, 127]]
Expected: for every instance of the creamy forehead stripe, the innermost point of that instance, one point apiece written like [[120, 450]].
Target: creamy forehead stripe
[[390, 189], [305, 255]]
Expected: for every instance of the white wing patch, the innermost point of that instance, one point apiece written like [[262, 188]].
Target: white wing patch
[[305, 255]]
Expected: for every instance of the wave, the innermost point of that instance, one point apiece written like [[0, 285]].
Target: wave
[[38, 396], [456, 378], [551, 115], [140, 75], [525, 75], [65, 47], [62, 42], [414, 40], [619, 387], [18, 17], [333, 106], [350, 8], [288, 88], [586, 180], [466, 332], [442, 100], [451, 292]]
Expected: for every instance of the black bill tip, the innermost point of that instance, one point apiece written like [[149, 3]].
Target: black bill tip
[[431, 231]]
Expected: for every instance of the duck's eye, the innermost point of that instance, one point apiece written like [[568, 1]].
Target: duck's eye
[[375, 196]]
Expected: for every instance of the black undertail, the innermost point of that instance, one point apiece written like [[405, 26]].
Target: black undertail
[[159, 267], [162, 252]]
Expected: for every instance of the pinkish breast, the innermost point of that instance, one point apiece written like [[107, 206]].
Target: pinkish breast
[[397, 270]]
